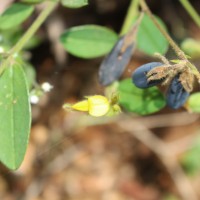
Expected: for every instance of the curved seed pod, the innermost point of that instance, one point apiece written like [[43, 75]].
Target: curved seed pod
[[115, 62], [139, 77], [176, 94]]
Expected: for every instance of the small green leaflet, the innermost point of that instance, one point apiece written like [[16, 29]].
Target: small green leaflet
[[88, 41], [140, 101], [15, 15], [193, 102], [190, 158], [74, 3], [191, 47], [149, 39], [15, 116], [30, 74]]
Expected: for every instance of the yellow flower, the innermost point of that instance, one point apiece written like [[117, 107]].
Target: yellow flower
[[96, 105], [81, 106]]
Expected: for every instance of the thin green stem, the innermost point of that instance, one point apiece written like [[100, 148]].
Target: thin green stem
[[180, 54], [34, 27], [131, 14], [191, 11], [28, 34], [177, 50]]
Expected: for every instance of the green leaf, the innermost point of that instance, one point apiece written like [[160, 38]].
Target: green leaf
[[190, 159], [12, 37], [191, 47], [74, 3], [34, 42], [149, 39], [170, 197], [88, 41], [15, 15], [15, 116], [193, 102], [140, 101], [30, 75]]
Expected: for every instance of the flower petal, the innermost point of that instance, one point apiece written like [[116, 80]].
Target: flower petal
[[81, 106], [98, 105]]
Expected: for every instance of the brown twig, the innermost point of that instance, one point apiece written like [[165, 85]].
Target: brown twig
[[169, 120], [179, 177], [165, 154]]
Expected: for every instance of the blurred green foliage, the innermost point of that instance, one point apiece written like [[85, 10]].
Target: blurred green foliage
[[190, 159], [140, 101]]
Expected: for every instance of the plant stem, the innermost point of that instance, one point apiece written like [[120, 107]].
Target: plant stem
[[28, 34], [177, 50], [131, 14], [180, 54], [191, 11], [34, 27]]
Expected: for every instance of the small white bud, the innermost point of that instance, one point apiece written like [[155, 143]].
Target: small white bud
[[47, 87], [34, 99]]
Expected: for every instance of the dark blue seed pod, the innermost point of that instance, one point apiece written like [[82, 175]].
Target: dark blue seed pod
[[176, 94], [115, 62], [139, 75]]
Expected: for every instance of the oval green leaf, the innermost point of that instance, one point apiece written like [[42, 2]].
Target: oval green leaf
[[193, 102], [149, 39], [74, 3], [140, 101], [191, 47], [88, 41], [15, 15], [15, 116]]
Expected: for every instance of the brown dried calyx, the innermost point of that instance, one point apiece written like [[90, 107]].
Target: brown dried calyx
[[168, 71]]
